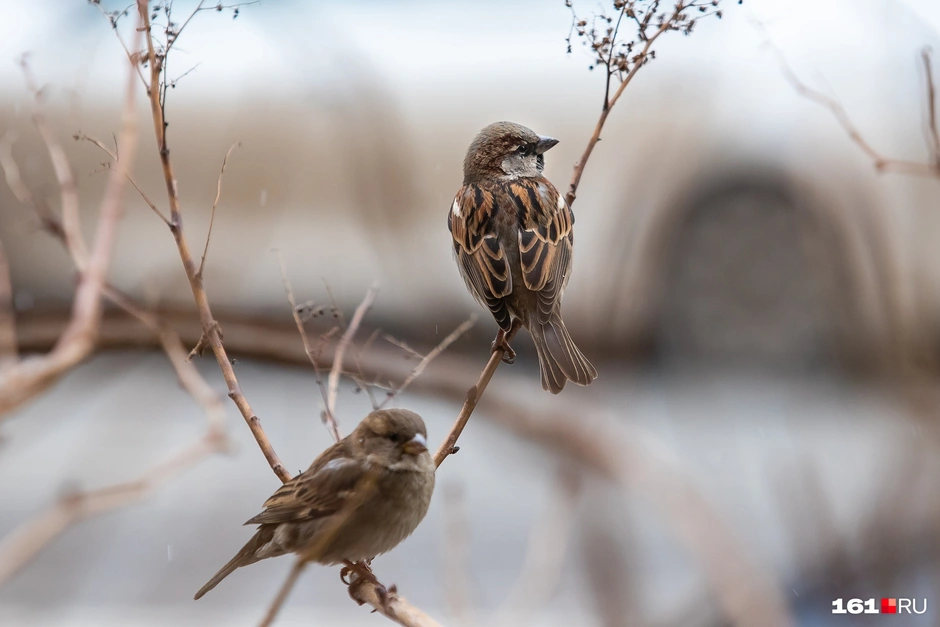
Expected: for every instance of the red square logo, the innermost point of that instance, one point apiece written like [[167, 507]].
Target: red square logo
[[889, 606]]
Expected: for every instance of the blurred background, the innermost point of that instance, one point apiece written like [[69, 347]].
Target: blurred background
[[763, 308]]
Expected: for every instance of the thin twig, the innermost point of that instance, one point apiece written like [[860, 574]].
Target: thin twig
[[34, 374], [210, 328], [609, 101], [187, 373], [881, 163], [184, 74], [12, 171], [133, 57], [68, 189], [327, 416], [437, 350], [283, 593], [130, 178], [449, 445], [211, 332], [338, 356], [47, 526], [218, 194], [391, 339], [360, 379], [337, 312]]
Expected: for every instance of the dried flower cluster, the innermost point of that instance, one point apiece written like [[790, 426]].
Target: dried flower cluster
[[602, 35], [622, 57]]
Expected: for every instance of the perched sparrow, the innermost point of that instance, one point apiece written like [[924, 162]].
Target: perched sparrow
[[513, 243], [360, 498]]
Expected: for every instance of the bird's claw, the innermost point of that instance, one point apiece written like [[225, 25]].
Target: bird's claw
[[356, 572], [361, 574], [500, 343]]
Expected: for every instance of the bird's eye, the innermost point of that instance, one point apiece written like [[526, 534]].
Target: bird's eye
[[395, 437], [521, 150]]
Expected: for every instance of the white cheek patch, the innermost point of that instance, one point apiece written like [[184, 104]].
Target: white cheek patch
[[456, 208]]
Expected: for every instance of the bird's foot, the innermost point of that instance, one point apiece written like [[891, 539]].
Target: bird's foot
[[501, 343], [356, 572]]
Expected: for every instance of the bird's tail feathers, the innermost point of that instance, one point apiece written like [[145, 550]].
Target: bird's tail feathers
[[247, 555], [559, 359]]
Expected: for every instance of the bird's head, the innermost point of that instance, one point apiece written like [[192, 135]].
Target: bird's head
[[506, 150], [395, 435]]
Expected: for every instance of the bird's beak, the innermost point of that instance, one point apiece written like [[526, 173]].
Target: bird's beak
[[416, 445], [544, 144]]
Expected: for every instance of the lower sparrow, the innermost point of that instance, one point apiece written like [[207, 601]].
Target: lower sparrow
[[360, 498], [512, 236]]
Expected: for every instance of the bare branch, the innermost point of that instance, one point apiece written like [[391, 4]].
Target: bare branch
[[618, 57], [97, 142], [68, 190], [360, 379], [391, 606], [881, 163], [337, 369], [337, 312], [218, 193], [326, 415], [449, 445], [12, 171], [211, 333], [187, 373], [296, 570], [34, 374], [133, 57], [210, 328], [24, 544], [114, 157], [437, 350], [394, 341]]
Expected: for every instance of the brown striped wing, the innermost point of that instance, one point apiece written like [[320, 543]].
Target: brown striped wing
[[321, 490], [545, 240], [480, 257]]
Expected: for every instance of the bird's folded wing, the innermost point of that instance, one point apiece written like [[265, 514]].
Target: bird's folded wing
[[321, 490], [545, 240], [482, 259]]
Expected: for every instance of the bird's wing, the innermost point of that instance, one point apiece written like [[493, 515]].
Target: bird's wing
[[480, 255], [545, 240], [321, 490]]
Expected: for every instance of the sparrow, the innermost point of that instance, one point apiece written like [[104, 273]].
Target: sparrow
[[360, 498], [513, 242]]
